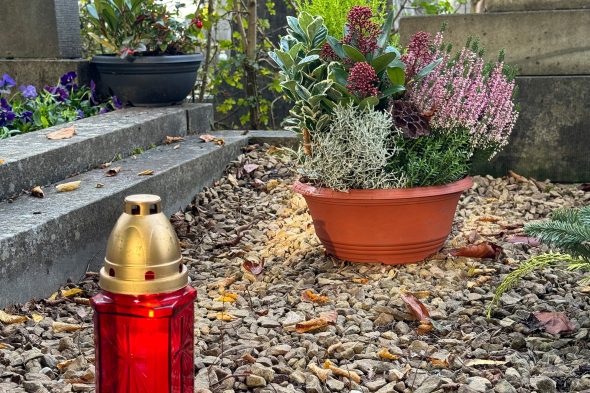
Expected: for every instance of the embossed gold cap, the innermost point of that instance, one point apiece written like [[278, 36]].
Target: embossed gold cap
[[143, 254]]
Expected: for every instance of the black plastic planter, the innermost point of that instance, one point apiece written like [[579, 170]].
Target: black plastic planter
[[149, 80]]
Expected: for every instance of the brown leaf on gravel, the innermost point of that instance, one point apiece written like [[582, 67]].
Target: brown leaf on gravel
[[322, 321], [425, 327], [489, 219], [147, 172], [321, 373], [554, 322], [360, 280], [62, 327], [9, 319], [66, 293], [309, 296], [439, 362], [223, 316], [484, 362], [584, 187], [227, 297], [253, 267], [479, 281], [479, 250], [67, 187], [113, 171], [65, 363], [4, 346], [206, 137], [172, 139], [342, 372], [223, 283], [385, 354], [248, 358], [517, 177], [415, 306], [64, 133], [531, 241], [474, 271], [37, 192]]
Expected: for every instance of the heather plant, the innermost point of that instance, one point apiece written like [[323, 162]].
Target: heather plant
[[28, 109]]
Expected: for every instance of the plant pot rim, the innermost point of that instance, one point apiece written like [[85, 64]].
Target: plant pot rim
[[114, 59], [393, 193]]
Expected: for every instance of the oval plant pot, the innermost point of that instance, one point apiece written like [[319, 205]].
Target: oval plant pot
[[393, 226], [148, 80]]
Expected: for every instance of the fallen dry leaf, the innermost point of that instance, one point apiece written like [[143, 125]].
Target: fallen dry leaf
[[37, 192], [219, 141], [67, 293], [479, 281], [223, 283], [531, 241], [321, 373], [4, 346], [309, 296], [425, 327], [324, 320], [360, 280], [249, 168], [517, 177], [585, 289], [479, 250], [488, 219], [227, 297], [474, 271], [2, 162], [9, 319], [272, 184], [64, 133], [342, 372], [554, 322], [248, 358], [113, 171], [62, 327], [172, 139], [65, 363], [206, 137], [416, 307], [484, 362], [439, 362], [253, 267], [67, 187], [147, 172], [421, 294], [36, 317], [223, 316], [385, 354]]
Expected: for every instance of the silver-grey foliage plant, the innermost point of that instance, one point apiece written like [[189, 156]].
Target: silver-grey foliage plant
[[354, 153]]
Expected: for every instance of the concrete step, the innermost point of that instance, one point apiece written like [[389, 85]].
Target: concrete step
[[32, 159], [45, 241]]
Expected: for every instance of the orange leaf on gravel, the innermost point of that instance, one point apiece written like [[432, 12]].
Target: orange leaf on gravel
[[9, 319], [309, 296], [554, 322], [206, 137], [228, 297], [480, 250], [172, 139], [322, 321], [360, 280], [415, 306], [438, 362], [64, 133], [385, 354], [67, 187], [37, 192], [62, 327], [147, 172], [113, 171]]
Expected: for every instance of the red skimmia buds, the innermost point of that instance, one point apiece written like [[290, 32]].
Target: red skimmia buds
[[363, 80]]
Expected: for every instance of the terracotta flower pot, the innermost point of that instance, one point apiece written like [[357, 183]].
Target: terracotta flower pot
[[390, 226]]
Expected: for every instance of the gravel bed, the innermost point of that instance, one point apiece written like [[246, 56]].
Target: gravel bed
[[246, 323]]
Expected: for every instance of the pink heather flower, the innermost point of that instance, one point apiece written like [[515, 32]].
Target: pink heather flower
[[462, 95], [362, 31], [362, 80]]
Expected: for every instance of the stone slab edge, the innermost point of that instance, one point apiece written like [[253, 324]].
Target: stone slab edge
[[31, 159], [68, 235]]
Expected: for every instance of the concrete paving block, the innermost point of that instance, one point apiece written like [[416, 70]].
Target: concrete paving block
[[31, 159], [45, 241]]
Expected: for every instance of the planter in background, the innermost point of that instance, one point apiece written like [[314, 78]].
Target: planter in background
[[393, 226], [149, 80]]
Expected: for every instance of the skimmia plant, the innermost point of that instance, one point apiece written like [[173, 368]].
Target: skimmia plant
[[442, 106], [28, 109]]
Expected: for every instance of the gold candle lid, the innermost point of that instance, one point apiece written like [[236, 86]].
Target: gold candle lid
[[143, 254]]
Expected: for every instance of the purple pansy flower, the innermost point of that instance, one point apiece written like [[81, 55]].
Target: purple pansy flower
[[80, 114], [67, 79], [60, 93], [93, 92], [117, 102], [26, 117], [28, 91], [6, 113], [5, 105], [103, 111], [7, 81]]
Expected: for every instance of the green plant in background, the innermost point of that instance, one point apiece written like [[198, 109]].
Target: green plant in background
[[334, 12], [140, 27], [567, 230]]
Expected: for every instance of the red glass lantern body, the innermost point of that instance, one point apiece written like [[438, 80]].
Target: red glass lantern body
[[144, 343]]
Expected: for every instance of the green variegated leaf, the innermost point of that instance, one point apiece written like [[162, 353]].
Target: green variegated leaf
[[336, 47], [308, 59]]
